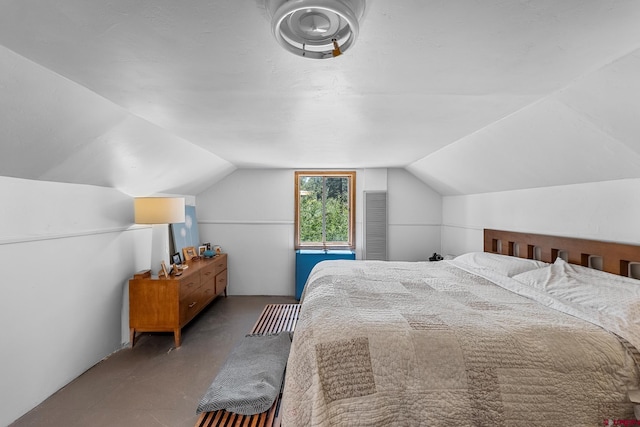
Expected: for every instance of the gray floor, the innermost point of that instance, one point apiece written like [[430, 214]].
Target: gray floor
[[154, 384]]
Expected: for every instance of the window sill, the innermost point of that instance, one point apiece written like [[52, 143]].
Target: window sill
[[325, 251]]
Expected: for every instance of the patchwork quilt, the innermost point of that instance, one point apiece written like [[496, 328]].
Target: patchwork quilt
[[426, 343]]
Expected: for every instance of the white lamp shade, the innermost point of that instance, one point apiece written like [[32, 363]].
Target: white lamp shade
[[158, 210]]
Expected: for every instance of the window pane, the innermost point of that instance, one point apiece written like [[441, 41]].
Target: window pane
[[337, 209], [311, 209], [325, 214]]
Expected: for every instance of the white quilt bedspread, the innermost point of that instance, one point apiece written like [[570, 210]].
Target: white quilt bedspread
[[429, 344]]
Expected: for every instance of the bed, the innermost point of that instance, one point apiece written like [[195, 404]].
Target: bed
[[494, 338]]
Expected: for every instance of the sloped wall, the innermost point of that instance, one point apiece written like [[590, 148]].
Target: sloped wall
[[53, 129], [586, 132], [67, 252]]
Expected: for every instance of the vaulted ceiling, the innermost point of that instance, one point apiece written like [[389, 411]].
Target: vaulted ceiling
[[470, 96]]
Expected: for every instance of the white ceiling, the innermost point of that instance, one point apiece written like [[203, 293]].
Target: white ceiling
[[470, 95]]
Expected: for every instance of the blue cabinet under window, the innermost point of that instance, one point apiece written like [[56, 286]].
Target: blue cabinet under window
[[306, 259]]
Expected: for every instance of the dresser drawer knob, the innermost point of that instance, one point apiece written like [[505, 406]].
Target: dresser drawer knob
[[192, 304]]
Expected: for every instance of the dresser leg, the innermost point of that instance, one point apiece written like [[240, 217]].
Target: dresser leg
[[177, 337], [132, 336]]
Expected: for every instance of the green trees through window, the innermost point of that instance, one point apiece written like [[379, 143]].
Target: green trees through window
[[324, 209]]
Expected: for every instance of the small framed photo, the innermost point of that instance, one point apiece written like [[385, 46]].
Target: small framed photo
[[201, 250], [189, 252], [163, 272], [176, 259]]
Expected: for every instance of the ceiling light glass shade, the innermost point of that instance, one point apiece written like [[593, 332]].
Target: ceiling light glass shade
[[316, 29]]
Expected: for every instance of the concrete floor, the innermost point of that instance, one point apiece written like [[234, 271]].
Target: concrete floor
[[154, 384]]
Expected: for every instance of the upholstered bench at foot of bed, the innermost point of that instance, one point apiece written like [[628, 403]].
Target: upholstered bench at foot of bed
[[275, 318]]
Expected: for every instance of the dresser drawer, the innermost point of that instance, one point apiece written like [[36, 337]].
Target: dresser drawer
[[220, 263], [208, 274], [221, 282], [208, 290], [189, 286], [189, 307]]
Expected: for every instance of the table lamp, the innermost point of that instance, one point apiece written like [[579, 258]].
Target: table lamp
[[159, 212]]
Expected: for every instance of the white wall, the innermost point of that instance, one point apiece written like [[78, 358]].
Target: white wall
[[66, 253], [251, 215], [603, 211], [415, 217]]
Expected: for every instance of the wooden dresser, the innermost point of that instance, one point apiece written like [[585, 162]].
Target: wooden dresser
[[168, 304]]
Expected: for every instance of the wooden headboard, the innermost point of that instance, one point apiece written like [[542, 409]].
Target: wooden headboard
[[616, 257]]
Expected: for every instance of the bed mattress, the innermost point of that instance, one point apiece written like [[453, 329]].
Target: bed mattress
[[428, 343]]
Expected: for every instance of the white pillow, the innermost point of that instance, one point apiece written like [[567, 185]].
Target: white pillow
[[613, 299], [502, 264], [575, 282]]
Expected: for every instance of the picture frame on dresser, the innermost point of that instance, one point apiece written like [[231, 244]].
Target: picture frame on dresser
[[163, 269], [201, 250], [188, 253], [176, 259]]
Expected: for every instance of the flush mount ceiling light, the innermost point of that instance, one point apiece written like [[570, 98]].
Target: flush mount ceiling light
[[316, 29]]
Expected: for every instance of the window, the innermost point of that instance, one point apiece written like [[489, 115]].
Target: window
[[325, 210]]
